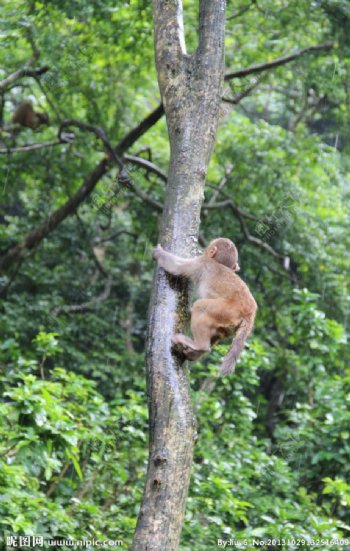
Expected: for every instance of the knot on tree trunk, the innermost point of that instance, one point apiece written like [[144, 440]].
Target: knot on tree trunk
[[160, 457]]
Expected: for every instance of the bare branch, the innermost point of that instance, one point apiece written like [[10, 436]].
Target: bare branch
[[124, 178], [241, 11], [59, 478], [143, 195], [259, 242], [35, 49], [85, 488], [263, 245], [98, 131], [277, 62], [49, 100], [308, 109], [20, 73], [148, 165], [246, 92], [241, 215], [229, 203], [219, 187], [145, 149], [31, 147]]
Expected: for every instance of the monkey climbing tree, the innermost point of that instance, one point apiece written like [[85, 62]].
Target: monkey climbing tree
[[190, 87]]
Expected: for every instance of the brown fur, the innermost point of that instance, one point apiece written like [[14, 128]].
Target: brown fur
[[26, 116], [225, 307]]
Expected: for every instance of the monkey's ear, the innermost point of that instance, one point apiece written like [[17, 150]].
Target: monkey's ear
[[236, 267], [212, 251]]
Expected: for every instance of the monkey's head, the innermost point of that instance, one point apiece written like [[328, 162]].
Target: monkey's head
[[43, 118], [223, 251]]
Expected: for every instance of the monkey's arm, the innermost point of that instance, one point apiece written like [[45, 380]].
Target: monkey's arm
[[175, 265]]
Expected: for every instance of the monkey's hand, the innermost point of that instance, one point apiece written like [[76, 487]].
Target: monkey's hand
[[157, 252], [174, 265]]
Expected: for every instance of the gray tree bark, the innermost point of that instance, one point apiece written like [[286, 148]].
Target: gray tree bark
[[191, 89]]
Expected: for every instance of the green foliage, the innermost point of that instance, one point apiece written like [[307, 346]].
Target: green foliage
[[65, 451]]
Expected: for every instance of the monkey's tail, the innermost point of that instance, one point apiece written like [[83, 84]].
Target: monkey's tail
[[229, 362]]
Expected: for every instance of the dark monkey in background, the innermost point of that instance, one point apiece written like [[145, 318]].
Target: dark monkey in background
[[225, 306], [25, 116]]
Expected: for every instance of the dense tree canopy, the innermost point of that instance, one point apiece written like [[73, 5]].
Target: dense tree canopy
[[273, 455]]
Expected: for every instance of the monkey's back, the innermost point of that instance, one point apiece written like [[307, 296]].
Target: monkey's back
[[219, 281], [23, 114]]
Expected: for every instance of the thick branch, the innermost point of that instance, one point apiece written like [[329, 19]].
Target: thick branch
[[210, 51], [210, 48], [209, 19], [276, 62], [169, 39], [24, 72]]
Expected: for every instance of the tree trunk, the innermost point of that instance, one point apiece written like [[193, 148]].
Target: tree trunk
[[191, 91]]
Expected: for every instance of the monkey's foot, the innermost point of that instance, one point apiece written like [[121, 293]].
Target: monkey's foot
[[191, 354], [183, 340], [188, 347]]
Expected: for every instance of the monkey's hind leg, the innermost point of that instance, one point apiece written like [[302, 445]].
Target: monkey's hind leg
[[201, 327], [211, 321]]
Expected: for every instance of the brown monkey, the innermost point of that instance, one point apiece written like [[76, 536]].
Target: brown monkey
[[26, 116], [225, 306]]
